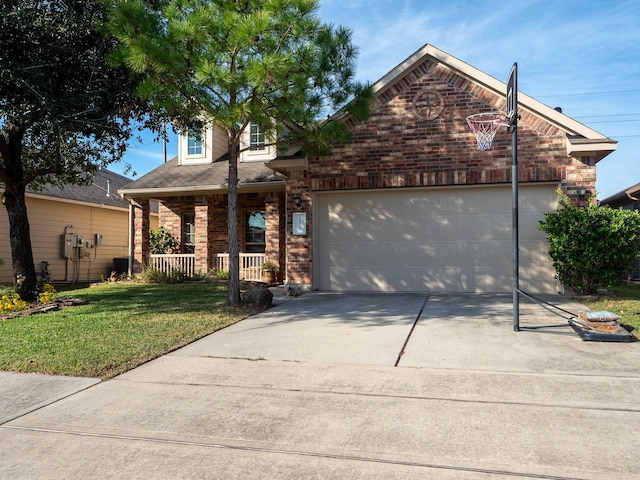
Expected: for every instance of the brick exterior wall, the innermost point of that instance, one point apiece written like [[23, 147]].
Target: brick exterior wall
[[299, 247], [401, 146], [417, 136]]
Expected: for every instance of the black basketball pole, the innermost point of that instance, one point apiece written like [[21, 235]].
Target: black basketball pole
[[513, 80]]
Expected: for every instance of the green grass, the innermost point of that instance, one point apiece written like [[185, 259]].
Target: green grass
[[122, 326], [623, 300]]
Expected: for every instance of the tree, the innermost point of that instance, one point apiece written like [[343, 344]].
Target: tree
[[591, 246], [230, 62], [64, 109]]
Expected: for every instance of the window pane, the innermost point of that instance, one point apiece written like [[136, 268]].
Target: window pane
[[257, 138], [188, 232], [194, 142], [255, 228]]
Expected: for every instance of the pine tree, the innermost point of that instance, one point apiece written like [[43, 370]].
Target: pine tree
[[232, 62]]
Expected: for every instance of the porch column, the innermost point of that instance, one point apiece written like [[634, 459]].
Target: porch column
[[203, 227], [140, 234], [272, 232], [299, 247]]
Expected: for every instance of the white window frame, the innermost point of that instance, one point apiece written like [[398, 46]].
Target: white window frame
[[252, 147], [202, 144], [257, 137]]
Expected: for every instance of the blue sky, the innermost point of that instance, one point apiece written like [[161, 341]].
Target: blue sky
[[583, 56]]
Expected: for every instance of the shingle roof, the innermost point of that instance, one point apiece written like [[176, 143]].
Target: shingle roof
[[172, 178], [104, 182]]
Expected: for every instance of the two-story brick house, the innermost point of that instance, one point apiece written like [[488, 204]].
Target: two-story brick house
[[409, 205]]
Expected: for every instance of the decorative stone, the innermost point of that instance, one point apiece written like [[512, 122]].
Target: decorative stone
[[261, 297]]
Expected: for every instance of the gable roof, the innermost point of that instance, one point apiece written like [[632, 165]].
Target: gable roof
[[581, 140], [173, 179]]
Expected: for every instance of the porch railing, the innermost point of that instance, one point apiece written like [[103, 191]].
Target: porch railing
[[250, 265], [185, 262]]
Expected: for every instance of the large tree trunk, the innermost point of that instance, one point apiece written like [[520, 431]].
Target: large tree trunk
[[233, 285], [25, 281]]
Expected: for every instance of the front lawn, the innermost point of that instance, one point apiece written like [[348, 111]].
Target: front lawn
[[122, 326], [623, 300]]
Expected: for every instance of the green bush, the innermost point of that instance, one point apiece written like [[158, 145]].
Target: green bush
[[151, 275], [161, 241], [591, 246]]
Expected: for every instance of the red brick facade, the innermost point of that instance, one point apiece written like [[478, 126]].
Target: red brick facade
[[398, 148], [416, 136]]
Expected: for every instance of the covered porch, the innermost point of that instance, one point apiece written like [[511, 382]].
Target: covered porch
[[193, 208]]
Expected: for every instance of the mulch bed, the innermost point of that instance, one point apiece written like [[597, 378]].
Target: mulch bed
[[57, 304]]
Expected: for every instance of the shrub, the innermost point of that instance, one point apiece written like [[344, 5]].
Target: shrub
[[591, 246], [151, 275], [161, 241]]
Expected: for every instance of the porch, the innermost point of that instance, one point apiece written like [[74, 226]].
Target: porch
[[250, 264]]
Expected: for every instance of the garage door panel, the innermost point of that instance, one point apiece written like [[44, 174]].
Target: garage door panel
[[435, 240]]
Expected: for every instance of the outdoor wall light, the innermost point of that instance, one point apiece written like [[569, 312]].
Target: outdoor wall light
[[582, 191], [297, 200]]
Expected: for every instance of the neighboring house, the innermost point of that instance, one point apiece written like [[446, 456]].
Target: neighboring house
[[409, 205], [95, 219], [629, 199]]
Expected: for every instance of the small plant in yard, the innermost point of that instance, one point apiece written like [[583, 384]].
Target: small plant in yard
[[48, 293], [269, 266], [12, 303], [221, 274]]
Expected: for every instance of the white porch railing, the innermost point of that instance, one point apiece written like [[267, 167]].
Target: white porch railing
[[185, 262], [250, 265]]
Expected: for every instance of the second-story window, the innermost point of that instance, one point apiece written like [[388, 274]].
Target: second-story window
[[256, 137], [194, 142]]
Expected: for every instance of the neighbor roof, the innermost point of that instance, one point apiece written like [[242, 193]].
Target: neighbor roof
[[173, 178], [102, 190], [631, 193]]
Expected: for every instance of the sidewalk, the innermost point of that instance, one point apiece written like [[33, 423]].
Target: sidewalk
[[470, 399]]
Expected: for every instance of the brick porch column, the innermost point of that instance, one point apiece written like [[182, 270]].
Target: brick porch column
[[140, 234], [299, 247], [203, 225]]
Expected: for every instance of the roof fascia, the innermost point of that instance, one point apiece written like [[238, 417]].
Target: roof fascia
[[202, 189], [39, 196]]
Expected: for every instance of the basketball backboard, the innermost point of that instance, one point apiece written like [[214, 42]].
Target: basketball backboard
[[512, 96]]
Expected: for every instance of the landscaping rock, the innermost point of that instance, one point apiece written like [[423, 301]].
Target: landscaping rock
[[261, 297]]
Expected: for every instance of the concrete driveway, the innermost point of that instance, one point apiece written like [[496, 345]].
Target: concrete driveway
[[309, 389]]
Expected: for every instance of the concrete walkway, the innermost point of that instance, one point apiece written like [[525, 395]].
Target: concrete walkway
[[309, 389]]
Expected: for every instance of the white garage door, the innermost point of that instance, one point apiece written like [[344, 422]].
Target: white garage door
[[446, 240]]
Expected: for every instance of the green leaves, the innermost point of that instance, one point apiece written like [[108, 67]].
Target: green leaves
[[592, 246], [269, 61]]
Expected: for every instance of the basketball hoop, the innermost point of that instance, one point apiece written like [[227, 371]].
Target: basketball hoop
[[485, 126]]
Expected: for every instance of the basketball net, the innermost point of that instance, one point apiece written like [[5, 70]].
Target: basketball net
[[485, 126]]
